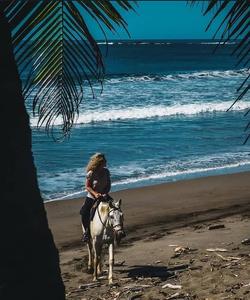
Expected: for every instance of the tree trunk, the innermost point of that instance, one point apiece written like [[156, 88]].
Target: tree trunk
[[29, 260]]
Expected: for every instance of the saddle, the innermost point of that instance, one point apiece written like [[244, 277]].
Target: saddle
[[100, 199]]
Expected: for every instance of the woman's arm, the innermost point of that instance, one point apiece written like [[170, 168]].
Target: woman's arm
[[90, 189]]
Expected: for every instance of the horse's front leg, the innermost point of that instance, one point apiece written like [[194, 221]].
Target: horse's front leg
[[97, 253], [90, 252], [99, 266], [111, 262]]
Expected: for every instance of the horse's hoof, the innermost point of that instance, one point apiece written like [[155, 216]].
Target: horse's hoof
[[114, 284]]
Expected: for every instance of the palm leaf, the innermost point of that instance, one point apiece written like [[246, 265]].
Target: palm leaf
[[56, 53], [234, 25]]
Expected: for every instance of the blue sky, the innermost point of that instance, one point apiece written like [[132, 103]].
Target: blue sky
[[161, 20]]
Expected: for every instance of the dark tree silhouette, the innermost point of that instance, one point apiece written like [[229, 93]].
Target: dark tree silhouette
[[29, 261]]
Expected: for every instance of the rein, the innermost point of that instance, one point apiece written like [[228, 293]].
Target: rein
[[101, 218], [104, 225]]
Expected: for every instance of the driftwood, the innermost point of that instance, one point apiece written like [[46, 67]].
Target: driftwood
[[175, 296], [229, 258], [133, 288], [246, 285], [217, 250], [182, 250], [171, 286], [136, 287], [89, 285], [136, 296], [245, 242], [216, 226]]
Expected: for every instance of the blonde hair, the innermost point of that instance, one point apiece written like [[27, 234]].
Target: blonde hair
[[95, 161]]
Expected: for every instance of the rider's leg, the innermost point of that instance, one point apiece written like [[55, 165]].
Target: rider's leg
[[85, 214]]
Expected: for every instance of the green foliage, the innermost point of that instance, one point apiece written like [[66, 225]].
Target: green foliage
[[54, 46], [234, 26]]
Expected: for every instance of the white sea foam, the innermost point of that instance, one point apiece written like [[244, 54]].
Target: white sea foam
[[154, 111], [182, 76], [149, 112], [217, 43], [65, 197], [172, 174], [129, 42], [151, 172], [105, 43]]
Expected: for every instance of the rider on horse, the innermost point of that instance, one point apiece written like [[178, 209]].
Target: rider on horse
[[97, 185]]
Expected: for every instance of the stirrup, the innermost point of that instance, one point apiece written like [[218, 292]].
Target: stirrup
[[86, 237]]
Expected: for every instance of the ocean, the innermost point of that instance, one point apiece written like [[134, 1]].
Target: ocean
[[161, 117]]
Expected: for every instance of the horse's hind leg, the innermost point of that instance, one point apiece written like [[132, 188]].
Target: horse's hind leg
[[111, 262]]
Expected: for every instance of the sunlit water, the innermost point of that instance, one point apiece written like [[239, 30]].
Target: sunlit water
[[162, 117]]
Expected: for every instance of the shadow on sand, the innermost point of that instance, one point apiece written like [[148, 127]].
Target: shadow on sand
[[150, 271]]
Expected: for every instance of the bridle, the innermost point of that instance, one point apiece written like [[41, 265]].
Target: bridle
[[105, 224]]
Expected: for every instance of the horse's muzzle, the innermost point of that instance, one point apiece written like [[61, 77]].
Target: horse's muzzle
[[119, 234]]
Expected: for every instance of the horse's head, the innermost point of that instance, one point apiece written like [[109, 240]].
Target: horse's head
[[116, 219]]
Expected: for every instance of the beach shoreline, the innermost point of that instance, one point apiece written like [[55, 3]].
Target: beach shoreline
[[186, 235], [174, 204]]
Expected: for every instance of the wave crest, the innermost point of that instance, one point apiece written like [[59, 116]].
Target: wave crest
[[180, 76], [149, 112]]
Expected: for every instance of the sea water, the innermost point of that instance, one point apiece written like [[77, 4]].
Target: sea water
[[162, 116]]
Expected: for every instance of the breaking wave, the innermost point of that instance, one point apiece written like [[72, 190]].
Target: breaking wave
[[149, 112], [159, 42], [179, 173], [181, 76]]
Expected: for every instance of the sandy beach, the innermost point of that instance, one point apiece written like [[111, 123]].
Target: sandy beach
[[171, 240]]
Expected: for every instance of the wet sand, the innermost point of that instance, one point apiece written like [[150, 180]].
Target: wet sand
[[159, 219], [171, 203]]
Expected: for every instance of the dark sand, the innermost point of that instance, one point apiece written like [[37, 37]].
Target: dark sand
[[159, 219]]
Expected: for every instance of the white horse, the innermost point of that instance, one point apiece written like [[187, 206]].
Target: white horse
[[105, 228]]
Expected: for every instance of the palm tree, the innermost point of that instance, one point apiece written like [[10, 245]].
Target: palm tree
[[233, 27], [50, 39]]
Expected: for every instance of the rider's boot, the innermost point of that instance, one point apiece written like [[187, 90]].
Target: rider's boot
[[86, 236]]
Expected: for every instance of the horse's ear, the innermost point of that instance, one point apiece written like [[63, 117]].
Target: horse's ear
[[120, 202]]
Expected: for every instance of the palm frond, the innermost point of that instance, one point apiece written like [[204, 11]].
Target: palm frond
[[235, 26], [56, 52]]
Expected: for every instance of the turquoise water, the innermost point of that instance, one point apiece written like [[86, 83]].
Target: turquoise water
[[161, 117]]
